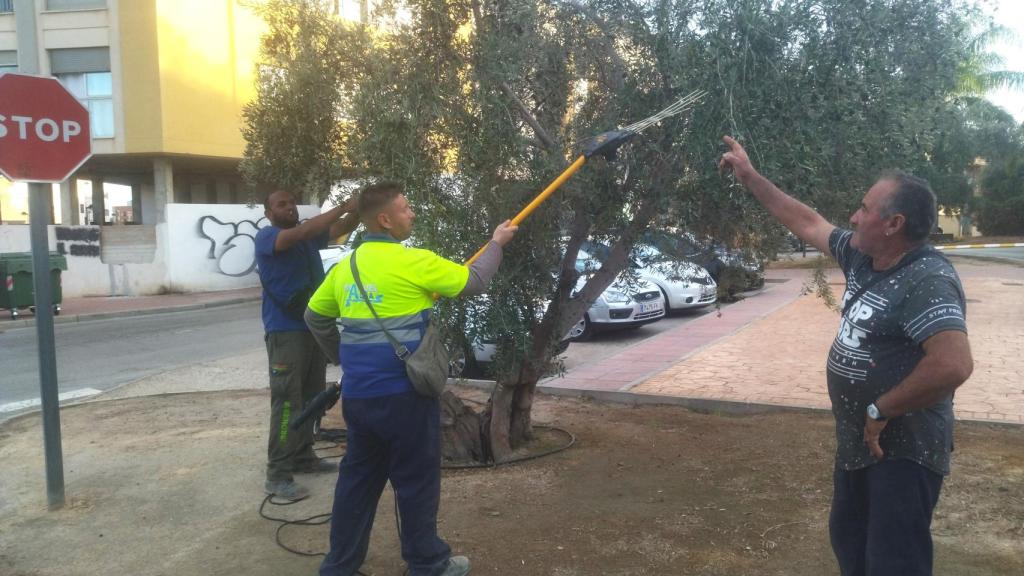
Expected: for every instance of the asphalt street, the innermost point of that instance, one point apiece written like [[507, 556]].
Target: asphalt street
[[98, 355], [1003, 253], [94, 356]]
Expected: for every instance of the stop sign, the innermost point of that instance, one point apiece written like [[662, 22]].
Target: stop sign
[[44, 130]]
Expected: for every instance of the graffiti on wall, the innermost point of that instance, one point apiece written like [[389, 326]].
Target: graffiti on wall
[[78, 241], [232, 244]]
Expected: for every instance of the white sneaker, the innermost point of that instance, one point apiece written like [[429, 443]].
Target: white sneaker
[[457, 566]]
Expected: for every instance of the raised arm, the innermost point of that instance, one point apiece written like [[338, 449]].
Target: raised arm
[[317, 225], [483, 269], [800, 218]]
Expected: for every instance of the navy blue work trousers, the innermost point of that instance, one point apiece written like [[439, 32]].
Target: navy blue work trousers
[[880, 524], [396, 438]]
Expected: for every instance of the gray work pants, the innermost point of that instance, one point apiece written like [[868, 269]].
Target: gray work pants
[[298, 372]]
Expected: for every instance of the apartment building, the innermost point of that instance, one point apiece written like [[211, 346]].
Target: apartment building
[[164, 81]]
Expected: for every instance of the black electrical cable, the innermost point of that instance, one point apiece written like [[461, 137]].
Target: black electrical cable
[[569, 444], [337, 438]]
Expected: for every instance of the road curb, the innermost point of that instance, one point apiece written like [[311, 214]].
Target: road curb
[[76, 318], [701, 405], [967, 246], [992, 259]]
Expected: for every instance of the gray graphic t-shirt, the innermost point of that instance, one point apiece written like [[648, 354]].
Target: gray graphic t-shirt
[[879, 344]]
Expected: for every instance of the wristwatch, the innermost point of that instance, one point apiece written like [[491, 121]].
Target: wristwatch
[[875, 414]]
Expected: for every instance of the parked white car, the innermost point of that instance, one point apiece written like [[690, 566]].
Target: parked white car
[[685, 285], [333, 254], [622, 305]]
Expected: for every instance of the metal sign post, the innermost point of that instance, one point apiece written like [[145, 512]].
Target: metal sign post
[[39, 198], [44, 138]]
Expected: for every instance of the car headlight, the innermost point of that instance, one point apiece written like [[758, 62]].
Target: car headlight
[[615, 296]]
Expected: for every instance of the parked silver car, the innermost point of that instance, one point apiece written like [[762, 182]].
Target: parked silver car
[[684, 284], [624, 304]]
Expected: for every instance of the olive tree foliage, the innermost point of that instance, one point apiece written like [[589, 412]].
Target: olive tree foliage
[[477, 105], [294, 128]]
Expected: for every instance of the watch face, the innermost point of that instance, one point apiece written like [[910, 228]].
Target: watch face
[[873, 412]]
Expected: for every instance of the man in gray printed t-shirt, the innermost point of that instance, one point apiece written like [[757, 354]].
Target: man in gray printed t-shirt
[[879, 344], [900, 353]]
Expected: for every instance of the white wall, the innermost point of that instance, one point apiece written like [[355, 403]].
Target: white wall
[[212, 246], [202, 247], [88, 274]]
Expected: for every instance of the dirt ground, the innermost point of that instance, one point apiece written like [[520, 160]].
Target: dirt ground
[[171, 485]]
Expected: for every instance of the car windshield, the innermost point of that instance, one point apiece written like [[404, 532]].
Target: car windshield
[[647, 255], [586, 263]]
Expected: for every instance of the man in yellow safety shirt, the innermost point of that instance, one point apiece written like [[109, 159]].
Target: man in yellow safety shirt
[[393, 432]]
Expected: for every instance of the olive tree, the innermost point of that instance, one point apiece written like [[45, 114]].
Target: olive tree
[[477, 105]]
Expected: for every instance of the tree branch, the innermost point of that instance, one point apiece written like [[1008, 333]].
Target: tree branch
[[618, 66], [524, 112]]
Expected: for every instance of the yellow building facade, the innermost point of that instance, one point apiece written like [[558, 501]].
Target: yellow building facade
[[165, 82]]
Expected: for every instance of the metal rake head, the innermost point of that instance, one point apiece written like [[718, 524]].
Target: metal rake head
[[607, 144]]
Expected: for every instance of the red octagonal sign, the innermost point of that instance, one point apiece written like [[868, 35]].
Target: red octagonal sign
[[44, 130]]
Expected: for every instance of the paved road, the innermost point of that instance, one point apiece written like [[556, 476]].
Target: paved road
[[99, 355], [1007, 253]]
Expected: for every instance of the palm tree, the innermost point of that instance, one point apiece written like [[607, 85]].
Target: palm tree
[[982, 70]]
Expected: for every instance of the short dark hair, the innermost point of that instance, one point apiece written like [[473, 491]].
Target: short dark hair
[[270, 191], [914, 199], [374, 197]]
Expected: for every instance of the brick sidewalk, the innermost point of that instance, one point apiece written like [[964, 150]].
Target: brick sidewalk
[[770, 350], [635, 364]]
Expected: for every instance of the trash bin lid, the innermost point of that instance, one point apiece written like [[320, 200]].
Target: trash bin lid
[[14, 262]]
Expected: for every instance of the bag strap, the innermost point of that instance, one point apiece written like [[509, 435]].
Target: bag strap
[[269, 293], [400, 349], [914, 256]]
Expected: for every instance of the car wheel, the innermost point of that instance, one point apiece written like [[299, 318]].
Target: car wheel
[[582, 330], [668, 305]]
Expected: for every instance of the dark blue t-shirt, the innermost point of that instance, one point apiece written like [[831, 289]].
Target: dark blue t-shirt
[[285, 274]]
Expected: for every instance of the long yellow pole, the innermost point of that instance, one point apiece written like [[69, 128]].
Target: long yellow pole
[[540, 198]]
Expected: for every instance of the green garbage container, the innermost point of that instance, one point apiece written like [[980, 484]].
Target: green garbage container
[[17, 292]]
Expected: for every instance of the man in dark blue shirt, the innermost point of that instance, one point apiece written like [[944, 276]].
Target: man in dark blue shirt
[[900, 353], [288, 259]]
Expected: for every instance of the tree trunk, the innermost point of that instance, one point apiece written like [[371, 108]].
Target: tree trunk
[[461, 440], [492, 435], [499, 419]]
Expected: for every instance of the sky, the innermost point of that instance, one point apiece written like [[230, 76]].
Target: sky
[[1010, 13]]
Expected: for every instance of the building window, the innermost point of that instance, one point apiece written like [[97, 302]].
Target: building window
[[75, 4], [94, 90], [8, 58], [85, 72], [6, 6]]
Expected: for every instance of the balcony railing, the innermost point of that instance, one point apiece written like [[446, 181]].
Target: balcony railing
[[6, 6]]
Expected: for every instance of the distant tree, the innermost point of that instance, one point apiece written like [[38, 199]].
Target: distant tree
[[982, 70], [1001, 208], [974, 133]]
